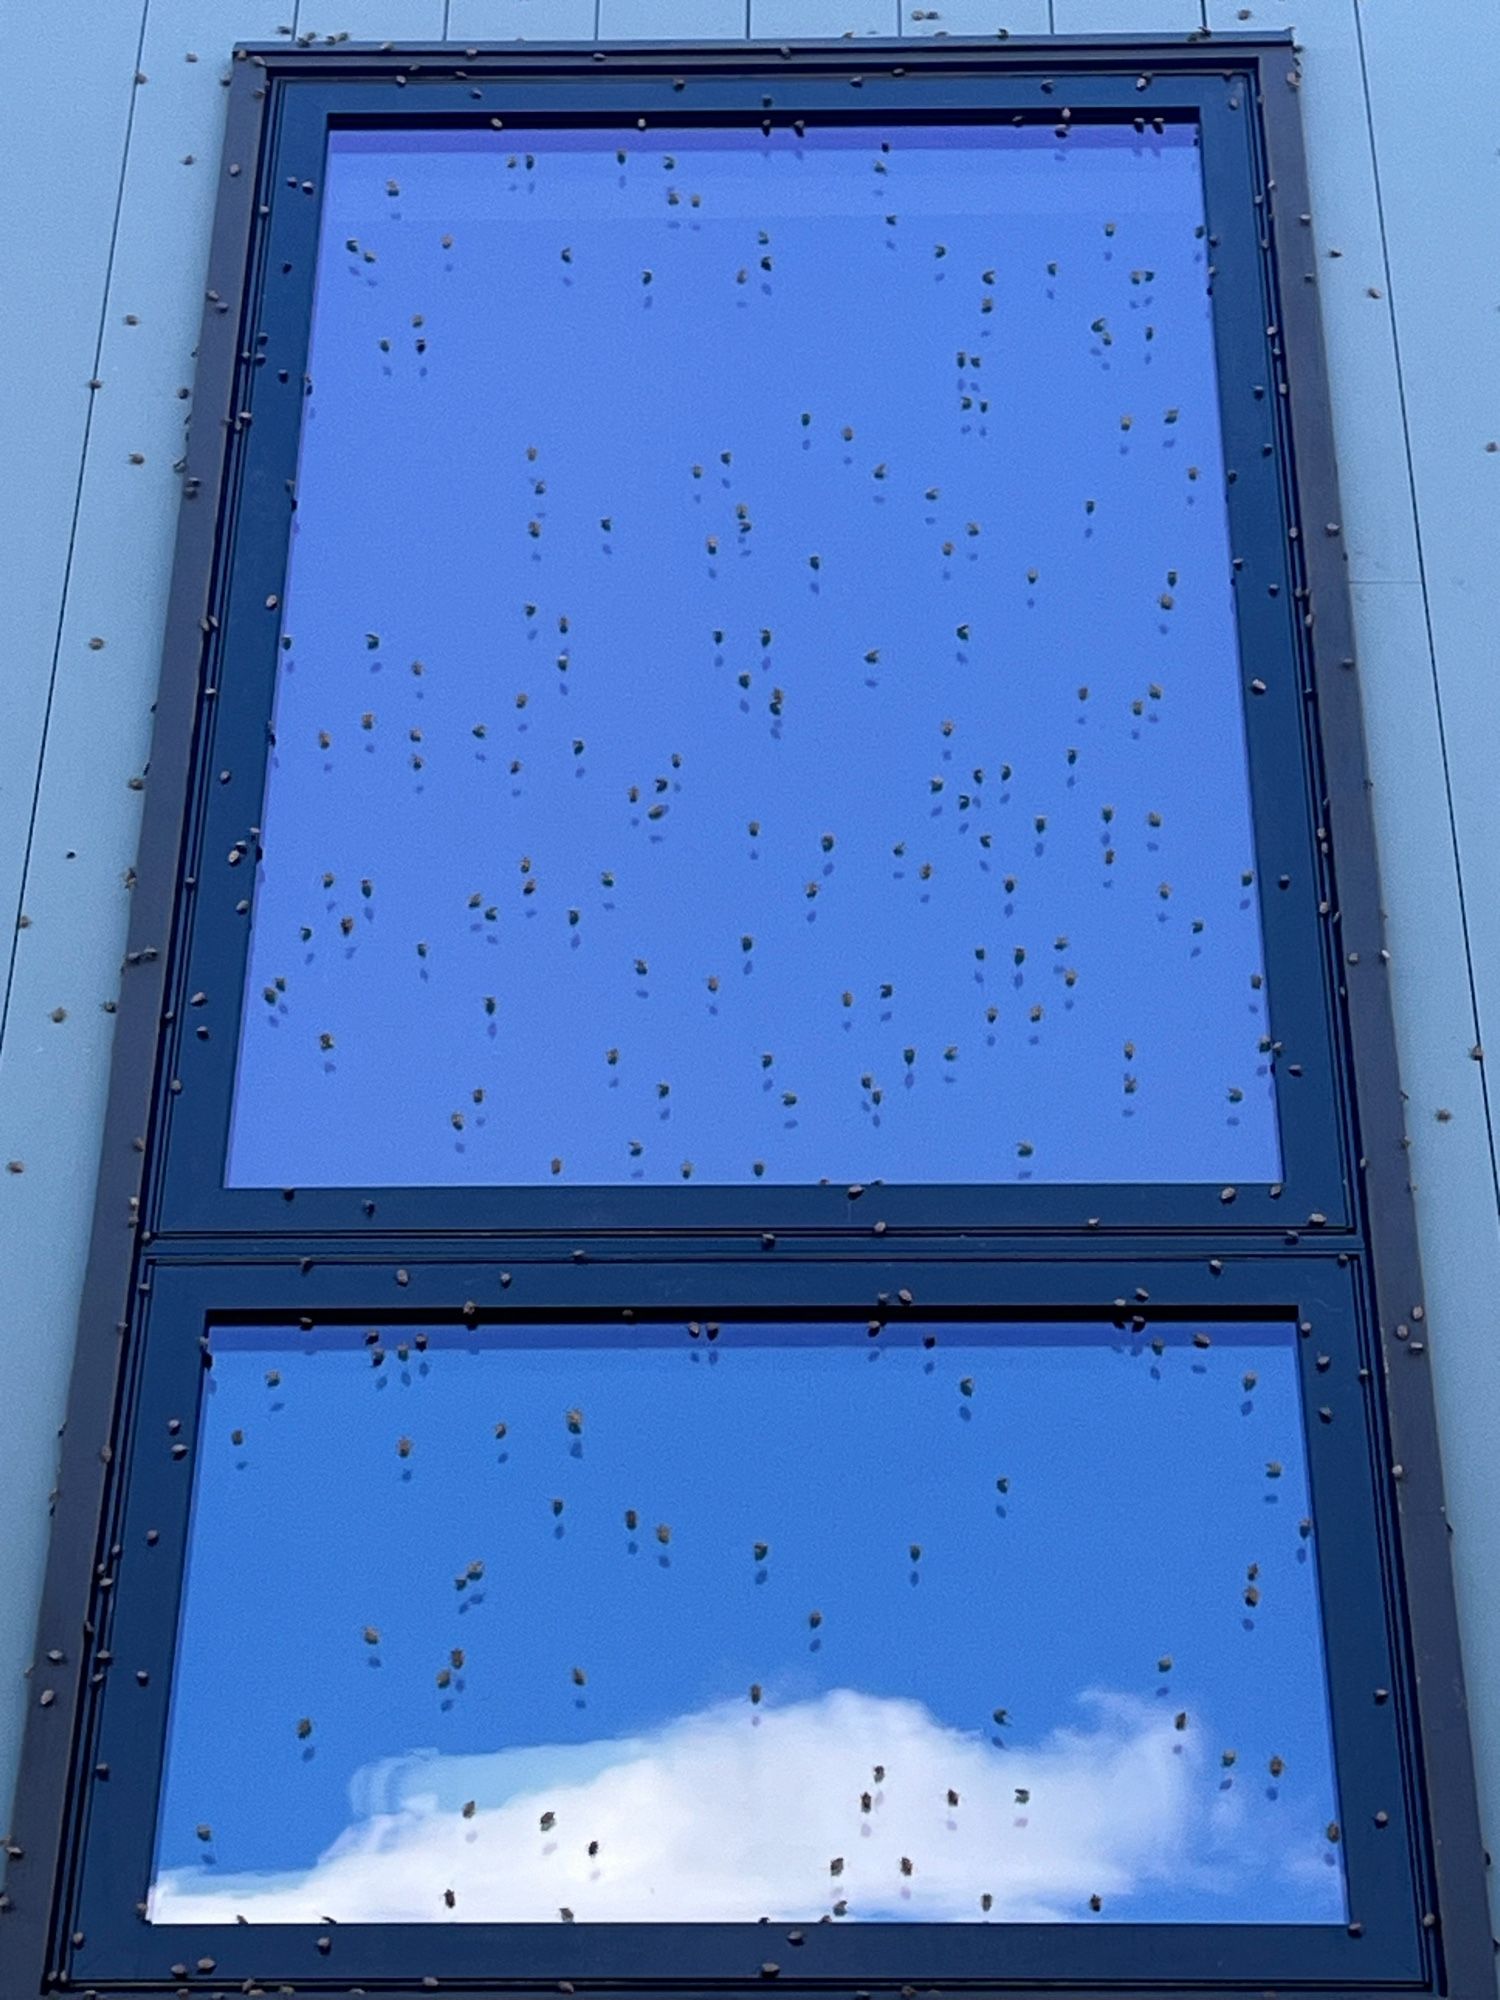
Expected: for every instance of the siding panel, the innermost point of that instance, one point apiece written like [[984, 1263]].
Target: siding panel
[[1379, 531], [976, 17], [53, 1071], [1126, 17], [799, 20], [1446, 1116], [1439, 187], [673, 20], [58, 234], [1434, 132], [361, 20], [522, 20]]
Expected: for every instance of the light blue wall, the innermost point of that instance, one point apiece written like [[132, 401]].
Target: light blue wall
[[107, 157]]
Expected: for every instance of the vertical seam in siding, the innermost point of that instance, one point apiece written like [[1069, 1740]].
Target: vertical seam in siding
[[1437, 691], [62, 606]]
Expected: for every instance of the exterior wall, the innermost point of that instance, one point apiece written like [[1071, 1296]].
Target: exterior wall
[[108, 154]]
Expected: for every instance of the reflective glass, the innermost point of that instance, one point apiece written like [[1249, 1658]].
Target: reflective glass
[[957, 1623], [759, 694]]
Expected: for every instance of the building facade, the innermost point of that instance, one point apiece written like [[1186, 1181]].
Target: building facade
[[113, 144]]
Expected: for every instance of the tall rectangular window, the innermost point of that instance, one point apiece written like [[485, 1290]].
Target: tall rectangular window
[[761, 696]]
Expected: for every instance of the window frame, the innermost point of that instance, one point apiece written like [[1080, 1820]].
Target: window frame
[[169, 1243], [1316, 1188], [1370, 1736]]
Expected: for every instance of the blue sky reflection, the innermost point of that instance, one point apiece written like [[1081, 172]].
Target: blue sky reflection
[[714, 1615], [760, 696]]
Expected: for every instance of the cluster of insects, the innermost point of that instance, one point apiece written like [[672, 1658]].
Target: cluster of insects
[[812, 779], [537, 1453]]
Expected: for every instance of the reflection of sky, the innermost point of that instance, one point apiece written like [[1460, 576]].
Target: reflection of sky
[[994, 920], [426, 1596]]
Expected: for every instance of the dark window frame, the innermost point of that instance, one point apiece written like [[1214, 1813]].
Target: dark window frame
[[1316, 1138], [1370, 1735], [1335, 1250]]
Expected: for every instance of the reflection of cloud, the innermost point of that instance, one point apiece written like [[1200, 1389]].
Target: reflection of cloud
[[735, 1813]]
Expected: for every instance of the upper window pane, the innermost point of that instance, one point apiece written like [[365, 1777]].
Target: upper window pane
[[713, 1623], [759, 696]]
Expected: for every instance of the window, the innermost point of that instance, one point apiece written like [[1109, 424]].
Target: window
[[772, 1332], [866, 1594], [803, 708]]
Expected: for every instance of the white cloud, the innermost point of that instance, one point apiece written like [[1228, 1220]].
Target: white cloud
[[735, 1813]]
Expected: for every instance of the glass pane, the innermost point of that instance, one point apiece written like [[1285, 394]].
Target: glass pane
[[759, 694], [716, 1623]]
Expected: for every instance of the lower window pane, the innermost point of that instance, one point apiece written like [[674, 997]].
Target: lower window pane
[[956, 1623]]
